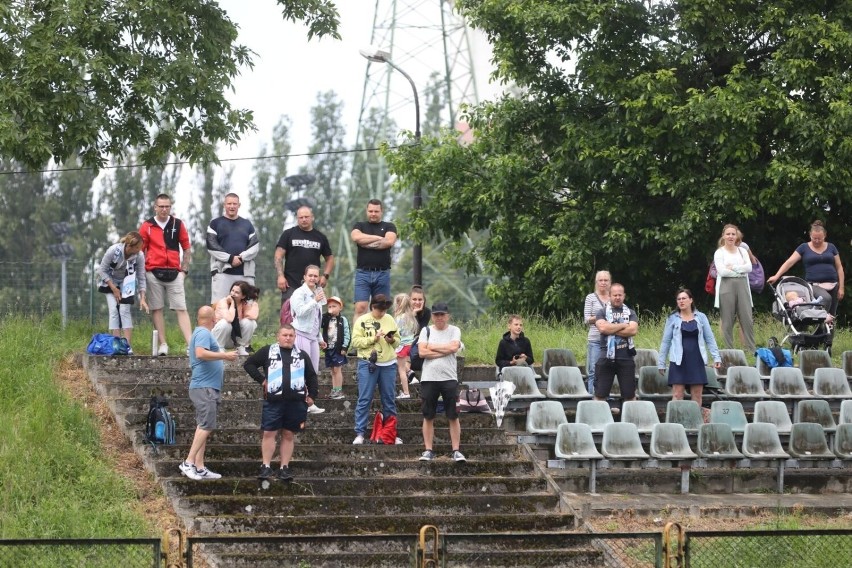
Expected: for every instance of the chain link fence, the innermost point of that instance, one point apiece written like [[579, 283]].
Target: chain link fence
[[81, 553], [776, 549]]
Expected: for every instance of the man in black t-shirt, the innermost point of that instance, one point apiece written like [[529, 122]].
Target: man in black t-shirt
[[618, 325], [374, 239], [299, 247]]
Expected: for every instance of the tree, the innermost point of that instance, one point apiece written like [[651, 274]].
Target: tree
[[641, 129], [129, 192], [98, 77]]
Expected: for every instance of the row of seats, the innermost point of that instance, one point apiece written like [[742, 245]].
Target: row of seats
[[787, 382]]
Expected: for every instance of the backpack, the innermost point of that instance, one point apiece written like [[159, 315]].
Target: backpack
[[710, 282], [775, 357], [106, 344], [160, 426], [384, 431], [286, 313]]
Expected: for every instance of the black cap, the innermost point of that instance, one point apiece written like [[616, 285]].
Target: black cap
[[381, 302], [440, 308]]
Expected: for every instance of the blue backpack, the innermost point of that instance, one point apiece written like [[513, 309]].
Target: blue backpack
[[160, 426], [775, 357], [106, 344]]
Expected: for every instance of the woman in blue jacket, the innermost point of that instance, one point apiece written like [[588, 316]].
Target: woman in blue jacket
[[684, 337]]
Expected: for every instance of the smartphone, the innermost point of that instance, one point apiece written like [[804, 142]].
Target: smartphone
[[390, 334]]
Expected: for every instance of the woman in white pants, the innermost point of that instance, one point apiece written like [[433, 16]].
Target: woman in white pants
[[240, 307]]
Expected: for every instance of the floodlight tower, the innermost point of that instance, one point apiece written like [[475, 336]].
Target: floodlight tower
[[431, 43]]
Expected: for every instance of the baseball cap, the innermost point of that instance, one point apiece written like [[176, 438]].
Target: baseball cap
[[440, 308], [336, 299]]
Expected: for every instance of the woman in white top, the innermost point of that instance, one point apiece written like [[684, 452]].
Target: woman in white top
[[733, 295], [595, 301]]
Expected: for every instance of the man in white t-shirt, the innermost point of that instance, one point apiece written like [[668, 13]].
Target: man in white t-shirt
[[438, 346]]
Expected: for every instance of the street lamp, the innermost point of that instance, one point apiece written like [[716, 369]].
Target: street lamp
[[300, 183], [382, 56]]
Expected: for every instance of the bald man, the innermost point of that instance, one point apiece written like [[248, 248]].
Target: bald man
[[207, 361]]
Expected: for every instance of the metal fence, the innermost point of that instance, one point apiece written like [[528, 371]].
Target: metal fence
[[775, 549], [81, 553]]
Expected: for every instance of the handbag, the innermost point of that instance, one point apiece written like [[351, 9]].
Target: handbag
[[472, 400], [165, 274], [756, 278], [710, 283]]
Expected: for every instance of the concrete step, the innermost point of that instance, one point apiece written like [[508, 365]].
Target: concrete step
[[420, 484]]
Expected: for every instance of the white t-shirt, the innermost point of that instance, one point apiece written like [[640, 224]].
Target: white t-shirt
[[443, 368]]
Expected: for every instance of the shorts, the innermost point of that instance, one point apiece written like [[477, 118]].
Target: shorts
[[429, 393], [284, 415], [334, 359], [157, 291], [206, 403], [403, 351], [369, 283]]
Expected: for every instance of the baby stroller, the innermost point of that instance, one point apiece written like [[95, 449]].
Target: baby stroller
[[798, 319]]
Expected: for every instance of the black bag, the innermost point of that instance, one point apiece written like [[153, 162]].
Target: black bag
[[414, 355], [165, 274], [160, 426]]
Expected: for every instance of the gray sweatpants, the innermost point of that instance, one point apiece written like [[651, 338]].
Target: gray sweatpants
[[735, 302]]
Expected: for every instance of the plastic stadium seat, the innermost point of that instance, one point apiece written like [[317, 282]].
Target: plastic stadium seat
[[812, 359], [816, 411], [669, 442], [843, 442], [712, 379], [557, 358], [846, 363], [744, 382], [595, 413], [716, 441], [566, 382], [728, 412], [761, 441], [762, 368], [545, 416], [787, 382], [686, 413], [807, 441], [621, 442], [524, 380], [731, 358], [831, 383], [652, 384], [845, 415], [575, 442], [644, 358], [773, 412], [643, 413]]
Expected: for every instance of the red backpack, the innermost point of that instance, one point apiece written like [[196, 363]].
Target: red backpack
[[286, 313], [384, 431]]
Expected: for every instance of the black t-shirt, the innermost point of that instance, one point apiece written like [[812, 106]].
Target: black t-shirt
[[374, 259], [621, 343], [301, 249]]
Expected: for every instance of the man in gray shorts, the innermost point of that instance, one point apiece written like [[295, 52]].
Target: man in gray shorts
[[207, 360]]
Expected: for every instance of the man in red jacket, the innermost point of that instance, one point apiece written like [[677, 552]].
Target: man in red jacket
[[164, 236]]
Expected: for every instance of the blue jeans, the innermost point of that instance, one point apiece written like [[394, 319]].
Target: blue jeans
[[369, 283], [385, 377], [593, 353]]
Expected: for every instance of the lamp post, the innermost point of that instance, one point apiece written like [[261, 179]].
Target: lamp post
[[382, 56]]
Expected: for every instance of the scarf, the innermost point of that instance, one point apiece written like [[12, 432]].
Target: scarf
[[612, 340], [275, 372]]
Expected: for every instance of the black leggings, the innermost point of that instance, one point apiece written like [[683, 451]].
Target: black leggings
[[829, 297]]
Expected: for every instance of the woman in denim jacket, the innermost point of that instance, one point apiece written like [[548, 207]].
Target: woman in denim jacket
[[684, 337]]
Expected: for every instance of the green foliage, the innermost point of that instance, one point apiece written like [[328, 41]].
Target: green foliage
[[640, 129], [55, 481]]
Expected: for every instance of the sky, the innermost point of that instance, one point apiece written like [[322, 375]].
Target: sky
[[289, 71]]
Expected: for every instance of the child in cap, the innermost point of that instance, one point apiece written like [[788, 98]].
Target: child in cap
[[336, 334]]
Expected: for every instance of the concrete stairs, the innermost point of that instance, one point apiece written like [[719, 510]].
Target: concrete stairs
[[348, 505]]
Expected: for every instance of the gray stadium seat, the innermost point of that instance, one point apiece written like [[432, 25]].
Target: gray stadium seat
[[744, 382], [716, 441], [846, 363], [557, 358], [831, 383], [524, 380], [845, 415], [843, 442], [731, 358], [595, 413], [545, 416], [669, 442], [812, 359], [728, 412], [621, 442], [816, 411], [652, 384], [761, 441], [762, 368], [643, 413], [566, 382], [575, 442], [807, 441], [773, 412], [712, 379], [686, 413], [787, 382], [644, 358]]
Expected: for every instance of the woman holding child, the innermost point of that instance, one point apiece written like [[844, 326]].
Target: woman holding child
[[733, 294]]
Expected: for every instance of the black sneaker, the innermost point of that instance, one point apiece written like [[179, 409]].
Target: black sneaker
[[284, 474], [265, 472]]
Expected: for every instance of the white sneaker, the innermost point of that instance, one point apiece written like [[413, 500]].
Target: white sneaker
[[414, 381], [314, 409], [188, 469], [398, 441], [241, 351], [403, 395], [207, 474], [359, 439], [458, 456], [164, 349]]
